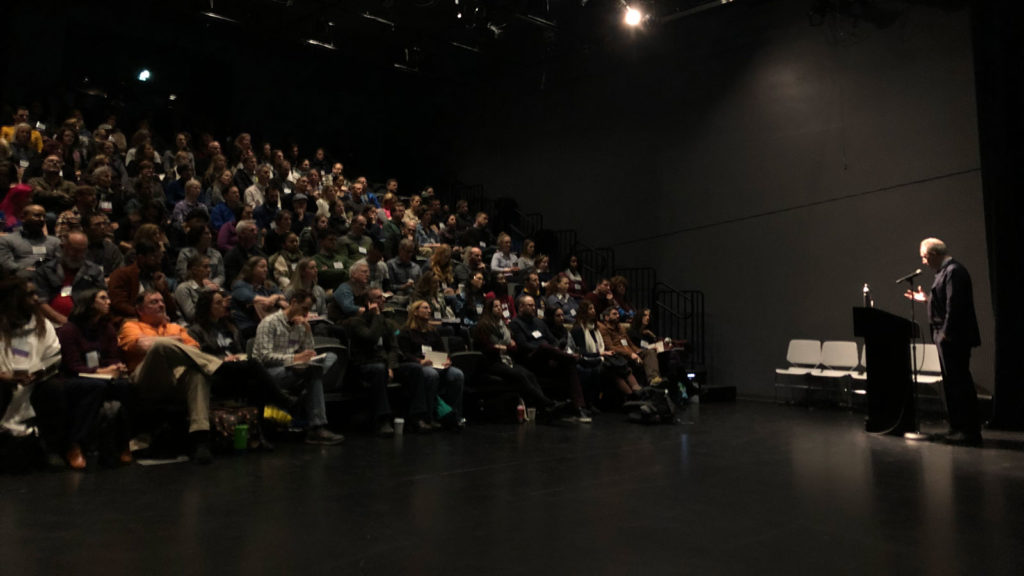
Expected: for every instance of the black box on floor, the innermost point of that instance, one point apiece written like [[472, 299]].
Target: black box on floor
[[717, 394]]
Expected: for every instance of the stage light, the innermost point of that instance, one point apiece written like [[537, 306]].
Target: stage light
[[633, 16], [144, 75]]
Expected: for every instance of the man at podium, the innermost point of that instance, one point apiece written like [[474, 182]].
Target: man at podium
[[954, 331]]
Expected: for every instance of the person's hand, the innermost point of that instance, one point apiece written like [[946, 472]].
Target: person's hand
[[232, 358], [607, 353], [634, 357], [373, 308], [210, 284], [391, 374], [12, 379], [447, 363], [918, 296], [426, 362], [113, 369], [303, 357]]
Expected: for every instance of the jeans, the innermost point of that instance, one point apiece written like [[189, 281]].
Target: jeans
[[310, 378]]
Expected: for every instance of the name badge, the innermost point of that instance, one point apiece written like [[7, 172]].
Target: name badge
[[437, 315], [65, 291], [19, 352], [362, 250], [39, 250], [292, 265], [572, 312], [483, 245], [479, 308], [505, 313], [536, 334], [623, 342], [106, 206], [23, 163], [339, 265], [540, 313], [380, 341], [92, 359]]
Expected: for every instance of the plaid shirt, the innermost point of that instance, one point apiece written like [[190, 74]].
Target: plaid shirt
[[277, 340]]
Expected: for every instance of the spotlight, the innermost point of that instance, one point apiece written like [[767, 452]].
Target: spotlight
[[144, 75], [633, 16]]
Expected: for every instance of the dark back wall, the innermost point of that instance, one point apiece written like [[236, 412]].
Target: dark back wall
[[774, 165]]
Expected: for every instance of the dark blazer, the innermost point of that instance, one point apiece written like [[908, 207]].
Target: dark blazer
[[951, 306]]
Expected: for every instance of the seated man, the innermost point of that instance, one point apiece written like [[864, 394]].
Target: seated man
[[144, 274], [602, 296], [345, 295], [58, 279], [356, 244], [22, 250], [473, 262], [330, 266], [166, 362], [284, 345], [403, 270], [373, 353], [102, 249], [616, 340], [538, 350]]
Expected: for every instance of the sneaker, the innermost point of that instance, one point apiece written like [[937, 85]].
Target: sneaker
[[385, 430], [201, 454], [323, 436], [583, 417]]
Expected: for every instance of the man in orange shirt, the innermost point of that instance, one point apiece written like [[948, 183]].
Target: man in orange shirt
[[165, 361]]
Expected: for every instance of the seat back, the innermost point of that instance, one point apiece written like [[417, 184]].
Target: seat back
[[927, 359], [840, 354], [804, 352]]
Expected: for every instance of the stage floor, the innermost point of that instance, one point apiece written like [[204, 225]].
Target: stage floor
[[735, 488]]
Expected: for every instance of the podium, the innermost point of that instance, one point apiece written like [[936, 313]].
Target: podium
[[890, 385]]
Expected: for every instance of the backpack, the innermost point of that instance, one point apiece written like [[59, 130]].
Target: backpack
[[655, 407]]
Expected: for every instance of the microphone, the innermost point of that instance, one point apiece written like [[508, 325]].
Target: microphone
[[909, 277]]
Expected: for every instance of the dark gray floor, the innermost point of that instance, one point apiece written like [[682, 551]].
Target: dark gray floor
[[741, 488]]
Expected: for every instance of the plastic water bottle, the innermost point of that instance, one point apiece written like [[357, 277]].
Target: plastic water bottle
[[867, 297]]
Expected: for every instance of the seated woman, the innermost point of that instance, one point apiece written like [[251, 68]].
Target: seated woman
[[283, 263], [196, 282], [254, 296], [427, 233], [492, 337], [542, 266], [675, 355], [503, 263], [577, 285], [89, 346], [470, 301], [415, 338], [558, 298], [619, 286], [596, 362], [199, 240], [428, 289], [239, 376], [527, 259]]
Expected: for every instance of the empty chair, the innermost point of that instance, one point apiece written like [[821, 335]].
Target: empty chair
[[803, 357], [839, 359], [929, 371]]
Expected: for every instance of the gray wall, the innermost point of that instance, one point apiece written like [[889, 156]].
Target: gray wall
[[774, 166]]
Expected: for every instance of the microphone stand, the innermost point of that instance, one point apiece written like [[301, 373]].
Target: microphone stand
[[916, 433]]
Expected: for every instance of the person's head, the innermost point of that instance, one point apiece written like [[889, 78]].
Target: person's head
[[477, 281], [199, 237], [96, 228], [73, 249], [543, 263], [52, 165], [68, 138], [301, 184], [933, 253], [151, 308], [560, 285], [556, 317], [481, 220], [199, 268], [305, 275], [618, 286], [610, 315], [574, 262], [263, 174], [504, 243], [247, 231], [249, 163], [358, 226], [356, 189], [374, 298], [587, 312], [603, 287], [532, 282], [528, 247], [232, 196], [254, 271], [192, 190], [359, 273], [419, 316], [85, 199], [272, 194], [398, 211], [19, 303], [103, 176], [148, 254], [22, 134], [428, 284], [391, 185], [211, 307], [328, 241], [291, 242], [283, 220], [525, 306], [442, 256], [213, 148], [645, 317], [337, 169], [299, 202], [299, 305], [415, 202], [89, 305], [21, 115], [406, 249]]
